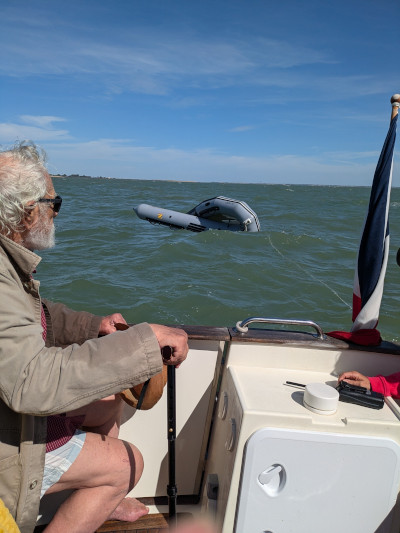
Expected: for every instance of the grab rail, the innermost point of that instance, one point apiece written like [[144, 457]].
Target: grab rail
[[241, 327]]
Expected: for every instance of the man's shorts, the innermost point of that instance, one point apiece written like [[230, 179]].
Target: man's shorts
[[58, 461]]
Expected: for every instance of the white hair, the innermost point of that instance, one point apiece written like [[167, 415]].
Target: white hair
[[22, 180]]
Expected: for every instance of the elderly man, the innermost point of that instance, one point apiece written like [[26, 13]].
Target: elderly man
[[61, 372]]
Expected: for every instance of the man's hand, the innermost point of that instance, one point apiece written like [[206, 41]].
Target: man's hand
[[355, 378], [174, 337], [107, 324]]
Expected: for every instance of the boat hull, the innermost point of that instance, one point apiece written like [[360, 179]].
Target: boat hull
[[217, 213], [232, 387]]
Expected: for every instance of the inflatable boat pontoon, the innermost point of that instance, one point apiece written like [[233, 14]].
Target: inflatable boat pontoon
[[216, 213]]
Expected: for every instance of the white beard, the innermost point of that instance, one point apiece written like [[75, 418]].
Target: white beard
[[41, 236]]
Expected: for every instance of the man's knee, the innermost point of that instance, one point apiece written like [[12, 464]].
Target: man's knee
[[131, 465], [136, 463], [103, 461], [125, 466]]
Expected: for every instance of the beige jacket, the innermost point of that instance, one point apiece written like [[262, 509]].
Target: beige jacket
[[73, 369]]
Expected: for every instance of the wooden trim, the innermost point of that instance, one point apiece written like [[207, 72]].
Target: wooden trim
[[258, 335], [279, 336], [206, 333]]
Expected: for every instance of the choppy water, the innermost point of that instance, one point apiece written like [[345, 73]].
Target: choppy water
[[301, 265]]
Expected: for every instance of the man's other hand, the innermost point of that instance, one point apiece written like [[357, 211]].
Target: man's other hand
[[176, 338], [107, 324]]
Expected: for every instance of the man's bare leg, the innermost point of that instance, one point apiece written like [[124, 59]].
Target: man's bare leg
[[103, 416], [103, 473]]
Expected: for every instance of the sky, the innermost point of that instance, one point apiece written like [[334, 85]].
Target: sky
[[247, 91]]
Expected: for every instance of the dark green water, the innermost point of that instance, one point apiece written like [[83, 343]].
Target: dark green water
[[301, 265]]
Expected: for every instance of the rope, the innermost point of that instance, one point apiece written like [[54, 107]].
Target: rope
[[297, 265]]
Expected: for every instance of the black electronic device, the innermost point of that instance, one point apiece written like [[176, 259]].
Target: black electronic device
[[360, 395]]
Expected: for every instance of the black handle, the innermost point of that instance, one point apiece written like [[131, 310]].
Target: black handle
[[166, 352]]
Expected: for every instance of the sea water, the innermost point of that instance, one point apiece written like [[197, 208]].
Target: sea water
[[299, 266]]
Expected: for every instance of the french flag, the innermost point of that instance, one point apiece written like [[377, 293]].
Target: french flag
[[373, 252]]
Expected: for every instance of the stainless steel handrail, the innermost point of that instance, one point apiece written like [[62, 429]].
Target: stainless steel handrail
[[241, 327]]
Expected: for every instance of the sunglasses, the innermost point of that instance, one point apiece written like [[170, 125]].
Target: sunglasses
[[57, 201]]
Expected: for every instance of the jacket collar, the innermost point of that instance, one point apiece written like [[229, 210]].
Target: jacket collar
[[26, 260]]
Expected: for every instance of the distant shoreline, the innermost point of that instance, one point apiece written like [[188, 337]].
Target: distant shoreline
[[109, 178], [221, 182], [79, 176]]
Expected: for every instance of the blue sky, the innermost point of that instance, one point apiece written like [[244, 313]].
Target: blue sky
[[259, 91]]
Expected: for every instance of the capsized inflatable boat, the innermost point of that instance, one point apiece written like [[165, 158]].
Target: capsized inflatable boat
[[216, 213]]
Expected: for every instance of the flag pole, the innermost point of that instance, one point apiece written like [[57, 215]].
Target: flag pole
[[395, 101], [373, 252]]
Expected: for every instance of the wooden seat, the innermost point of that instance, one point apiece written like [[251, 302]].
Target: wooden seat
[[151, 523]]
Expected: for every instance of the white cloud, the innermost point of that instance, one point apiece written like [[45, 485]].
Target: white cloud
[[37, 128], [147, 60], [42, 121], [152, 53], [124, 158], [119, 158]]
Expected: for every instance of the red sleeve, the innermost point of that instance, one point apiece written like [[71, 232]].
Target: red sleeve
[[388, 386]]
